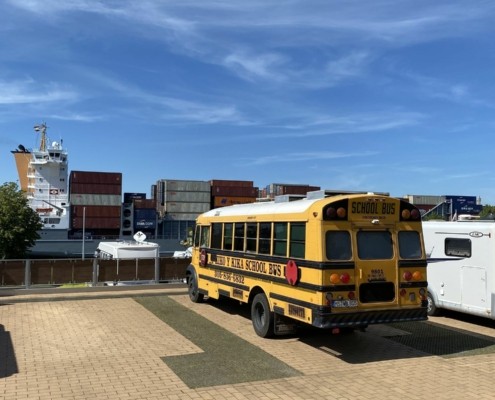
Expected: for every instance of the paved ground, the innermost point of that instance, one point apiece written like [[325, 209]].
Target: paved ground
[[106, 345]]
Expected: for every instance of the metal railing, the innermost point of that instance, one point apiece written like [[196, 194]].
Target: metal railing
[[94, 271]]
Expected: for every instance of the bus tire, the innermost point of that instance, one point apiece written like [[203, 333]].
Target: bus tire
[[432, 309], [192, 288], [261, 316]]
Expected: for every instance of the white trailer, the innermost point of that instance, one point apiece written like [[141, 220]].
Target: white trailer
[[461, 266]]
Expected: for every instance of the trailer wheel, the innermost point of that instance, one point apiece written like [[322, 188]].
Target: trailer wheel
[[261, 316], [432, 309], [192, 288]]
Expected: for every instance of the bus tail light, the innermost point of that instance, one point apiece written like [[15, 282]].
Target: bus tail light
[[407, 276], [340, 278], [351, 295], [336, 211], [408, 212], [415, 276], [403, 292], [345, 278]]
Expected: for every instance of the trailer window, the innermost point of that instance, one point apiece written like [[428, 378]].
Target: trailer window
[[458, 247]]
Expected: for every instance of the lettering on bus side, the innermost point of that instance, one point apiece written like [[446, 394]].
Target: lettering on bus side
[[260, 267]]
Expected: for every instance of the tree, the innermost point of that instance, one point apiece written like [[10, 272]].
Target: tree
[[19, 223], [487, 212]]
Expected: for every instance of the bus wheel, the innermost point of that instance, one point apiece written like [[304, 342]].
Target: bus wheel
[[261, 316], [432, 309], [192, 287]]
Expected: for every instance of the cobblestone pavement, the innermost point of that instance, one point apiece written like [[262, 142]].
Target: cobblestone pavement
[[107, 346]]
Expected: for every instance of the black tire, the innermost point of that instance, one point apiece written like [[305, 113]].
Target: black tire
[[432, 309], [261, 316], [192, 288]]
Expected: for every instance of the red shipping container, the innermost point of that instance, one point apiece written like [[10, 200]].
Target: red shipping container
[[96, 211], [108, 178], [95, 188], [95, 223], [235, 191], [222, 182], [222, 201]]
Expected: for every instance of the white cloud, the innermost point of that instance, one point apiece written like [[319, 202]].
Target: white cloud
[[30, 91]]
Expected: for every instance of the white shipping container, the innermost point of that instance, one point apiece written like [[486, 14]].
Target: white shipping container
[[186, 197], [424, 199], [198, 208], [95, 200], [183, 185]]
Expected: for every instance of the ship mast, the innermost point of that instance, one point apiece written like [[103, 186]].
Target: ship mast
[[42, 128]]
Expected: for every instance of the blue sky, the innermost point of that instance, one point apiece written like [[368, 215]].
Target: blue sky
[[392, 95]]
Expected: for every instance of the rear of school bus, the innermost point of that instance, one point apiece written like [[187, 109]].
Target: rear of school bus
[[374, 268]]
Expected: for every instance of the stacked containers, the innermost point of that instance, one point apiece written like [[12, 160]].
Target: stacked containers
[[182, 200], [95, 199], [145, 217], [230, 192], [279, 189]]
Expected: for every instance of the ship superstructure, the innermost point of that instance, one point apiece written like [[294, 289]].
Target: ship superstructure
[[43, 173]]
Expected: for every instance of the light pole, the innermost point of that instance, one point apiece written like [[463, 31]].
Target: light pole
[[84, 231]]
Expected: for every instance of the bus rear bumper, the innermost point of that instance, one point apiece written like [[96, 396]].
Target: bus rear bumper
[[329, 320]]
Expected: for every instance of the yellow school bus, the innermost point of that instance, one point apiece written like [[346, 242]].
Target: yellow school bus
[[333, 260]]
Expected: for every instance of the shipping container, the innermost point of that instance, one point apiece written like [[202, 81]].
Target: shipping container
[[186, 197], [95, 211], [231, 183], [464, 204], [130, 197], [277, 189], [222, 201], [96, 199], [140, 224], [95, 223], [144, 213], [95, 188], [234, 191], [183, 185], [424, 199], [144, 203], [198, 208], [109, 178]]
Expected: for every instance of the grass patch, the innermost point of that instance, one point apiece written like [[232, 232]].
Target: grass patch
[[73, 285], [226, 358]]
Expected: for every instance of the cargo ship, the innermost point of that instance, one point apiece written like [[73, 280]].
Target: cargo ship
[[77, 211]]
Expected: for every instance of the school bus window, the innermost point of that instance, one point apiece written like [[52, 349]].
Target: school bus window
[[265, 238], [251, 236], [458, 247], [280, 239], [374, 245], [297, 240], [227, 236], [409, 245], [239, 236], [216, 236], [205, 236], [338, 245]]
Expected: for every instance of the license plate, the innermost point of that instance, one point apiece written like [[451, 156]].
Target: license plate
[[344, 303]]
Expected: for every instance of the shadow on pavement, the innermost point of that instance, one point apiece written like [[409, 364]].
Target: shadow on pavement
[[384, 341], [8, 362]]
